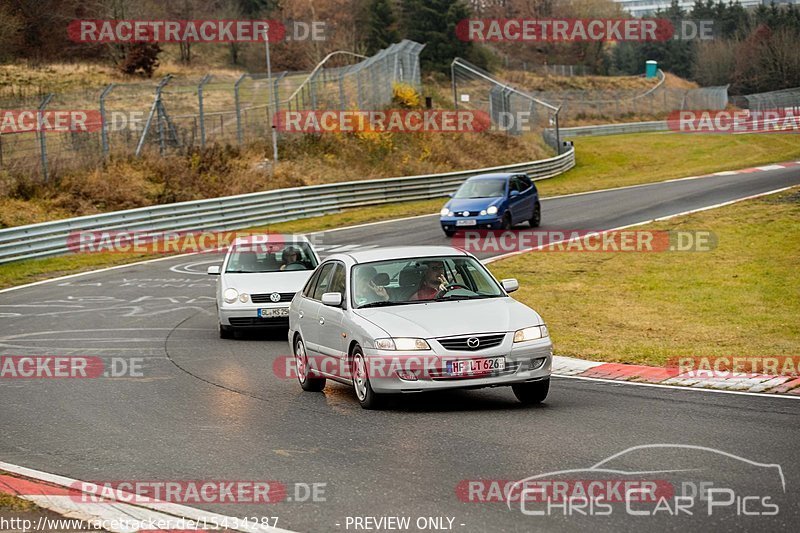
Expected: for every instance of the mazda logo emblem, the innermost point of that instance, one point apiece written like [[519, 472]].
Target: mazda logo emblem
[[275, 297], [473, 342]]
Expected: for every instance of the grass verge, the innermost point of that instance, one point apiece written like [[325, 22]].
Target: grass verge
[[619, 160], [741, 299]]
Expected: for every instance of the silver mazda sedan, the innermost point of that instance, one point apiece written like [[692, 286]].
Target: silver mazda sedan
[[415, 319]]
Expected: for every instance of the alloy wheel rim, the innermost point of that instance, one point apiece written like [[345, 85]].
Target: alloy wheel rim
[[300, 356], [360, 378]]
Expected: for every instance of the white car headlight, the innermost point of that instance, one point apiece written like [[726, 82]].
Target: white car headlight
[[230, 295], [531, 334], [243, 297], [444, 212], [483, 212], [492, 210], [402, 344]]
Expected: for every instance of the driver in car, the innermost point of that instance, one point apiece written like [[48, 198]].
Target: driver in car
[[291, 256], [433, 281]]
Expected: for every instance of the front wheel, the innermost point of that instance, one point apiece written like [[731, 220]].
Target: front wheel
[[506, 224], [366, 396], [449, 232], [307, 383], [532, 393]]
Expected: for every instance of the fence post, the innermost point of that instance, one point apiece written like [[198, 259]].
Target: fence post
[[42, 141], [103, 121], [453, 81], [238, 107], [205, 80], [153, 111]]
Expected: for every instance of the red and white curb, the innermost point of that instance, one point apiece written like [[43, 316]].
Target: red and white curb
[[61, 495], [697, 379]]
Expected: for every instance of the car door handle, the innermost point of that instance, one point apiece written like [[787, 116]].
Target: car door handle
[[300, 314], [321, 321]]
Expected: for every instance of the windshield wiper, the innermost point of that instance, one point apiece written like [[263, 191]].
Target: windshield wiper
[[380, 303], [465, 297]]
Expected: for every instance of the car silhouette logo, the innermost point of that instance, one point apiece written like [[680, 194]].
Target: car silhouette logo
[[473, 342], [275, 297]]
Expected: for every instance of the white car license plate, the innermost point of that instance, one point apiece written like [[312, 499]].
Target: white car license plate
[[466, 367], [274, 312], [466, 222]]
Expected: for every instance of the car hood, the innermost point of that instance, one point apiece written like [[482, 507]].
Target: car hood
[[470, 204], [460, 317], [267, 282]]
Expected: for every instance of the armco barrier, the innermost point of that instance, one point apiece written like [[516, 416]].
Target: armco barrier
[[248, 210], [607, 129]]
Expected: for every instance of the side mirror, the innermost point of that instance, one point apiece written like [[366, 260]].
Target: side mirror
[[213, 270], [333, 299], [451, 194], [513, 194], [510, 284]]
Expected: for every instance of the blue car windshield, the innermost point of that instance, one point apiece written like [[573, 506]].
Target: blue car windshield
[[481, 189]]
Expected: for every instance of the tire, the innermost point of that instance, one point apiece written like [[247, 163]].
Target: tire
[[449, 232], [536, 218], [532, 393], [307, 383], [226, 332], [366, 396], [506, 223]]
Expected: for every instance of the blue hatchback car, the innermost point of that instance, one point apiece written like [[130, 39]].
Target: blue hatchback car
[[492, 201]]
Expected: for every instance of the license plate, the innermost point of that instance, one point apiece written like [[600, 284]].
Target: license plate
[[466, 222], [273, 312], [466, 367]]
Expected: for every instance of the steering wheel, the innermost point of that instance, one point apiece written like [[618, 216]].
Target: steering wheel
[[449, 287]]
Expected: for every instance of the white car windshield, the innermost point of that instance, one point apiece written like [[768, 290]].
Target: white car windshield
[[406, 281], [250, 259], [482, 188]]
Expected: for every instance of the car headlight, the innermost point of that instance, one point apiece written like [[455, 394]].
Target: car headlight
[[531, 334], [243, 297], [402, 344], [230, 295], [444, 212], [483, 212], [492, 210]]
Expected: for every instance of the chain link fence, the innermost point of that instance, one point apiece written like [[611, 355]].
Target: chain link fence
[[510, 109], [773, 100], [171, 115]]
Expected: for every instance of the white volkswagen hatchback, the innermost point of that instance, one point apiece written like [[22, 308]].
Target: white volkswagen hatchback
[[414, 319], [258, 278]]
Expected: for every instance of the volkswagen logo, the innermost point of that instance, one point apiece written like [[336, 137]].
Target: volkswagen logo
[[275, 297], [473, 342]]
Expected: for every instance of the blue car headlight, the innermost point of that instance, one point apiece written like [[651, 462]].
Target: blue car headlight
[[445, 212], [492, 210]]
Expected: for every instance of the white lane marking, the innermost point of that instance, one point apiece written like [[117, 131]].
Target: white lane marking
[[117, 510], [771, 167], [682, 213], [725, 173], [677, 387]]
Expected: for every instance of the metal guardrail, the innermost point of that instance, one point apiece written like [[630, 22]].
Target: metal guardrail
[[254, 209], [607, 129]]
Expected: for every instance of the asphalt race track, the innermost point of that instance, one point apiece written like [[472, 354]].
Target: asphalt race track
[[212, 409]]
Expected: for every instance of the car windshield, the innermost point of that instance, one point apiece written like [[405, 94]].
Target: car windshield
[[278, 257], [482, 188], [407, 281]]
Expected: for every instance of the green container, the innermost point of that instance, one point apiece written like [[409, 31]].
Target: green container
[[651, 68]]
